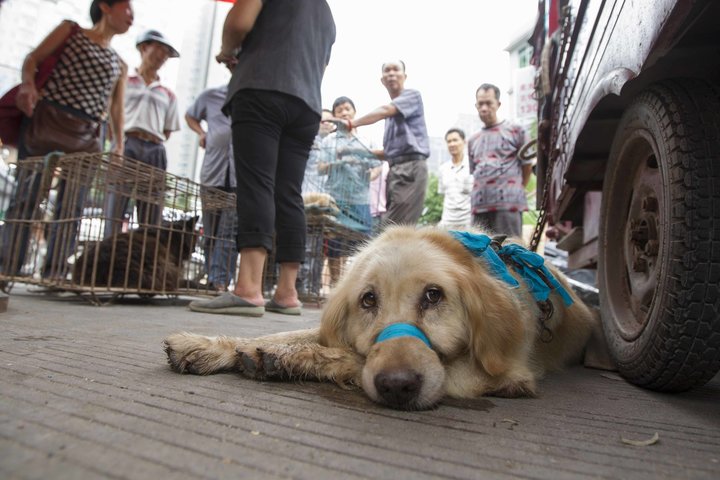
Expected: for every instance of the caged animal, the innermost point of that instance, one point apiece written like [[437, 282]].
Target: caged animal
[[419, 315], [149, 258]]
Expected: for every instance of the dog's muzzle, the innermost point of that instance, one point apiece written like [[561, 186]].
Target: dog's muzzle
[[396, 330]]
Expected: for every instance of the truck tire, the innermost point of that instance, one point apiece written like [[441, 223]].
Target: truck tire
[[659, 250]]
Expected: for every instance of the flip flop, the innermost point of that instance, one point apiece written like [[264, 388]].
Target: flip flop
[[272, 306], [228, 303]]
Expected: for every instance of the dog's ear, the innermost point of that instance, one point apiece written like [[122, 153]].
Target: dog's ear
[[191, 222], [334, 319], [496, 327]]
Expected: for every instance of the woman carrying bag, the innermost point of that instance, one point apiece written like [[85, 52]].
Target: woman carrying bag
[[68, 113]]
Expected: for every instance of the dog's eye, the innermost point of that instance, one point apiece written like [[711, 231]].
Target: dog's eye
[[432, 296], [368, 300]]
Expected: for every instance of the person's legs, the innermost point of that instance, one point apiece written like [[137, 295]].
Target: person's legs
[[290, 224], [484, 220], [210, 223], [249, 281], [500, 222], [117, 203], [62, 234], [406, 185], [508, 223], [256, 128], [224, 254], [16, 229], [150, 213]]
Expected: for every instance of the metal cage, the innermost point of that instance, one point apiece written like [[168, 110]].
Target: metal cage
[[106, 224]]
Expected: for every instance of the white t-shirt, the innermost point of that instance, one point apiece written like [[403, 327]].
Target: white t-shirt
[[455, 182], [152, 108]]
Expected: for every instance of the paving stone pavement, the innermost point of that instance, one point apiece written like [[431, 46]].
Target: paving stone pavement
[[85, 392]]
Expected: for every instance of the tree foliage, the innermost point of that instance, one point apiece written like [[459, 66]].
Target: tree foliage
[[432, 210]]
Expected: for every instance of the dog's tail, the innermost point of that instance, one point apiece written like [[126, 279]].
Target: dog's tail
[[200, 355]]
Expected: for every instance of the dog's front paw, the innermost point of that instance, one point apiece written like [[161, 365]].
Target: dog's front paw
[[515, 389], [259, 364], [199, 355]]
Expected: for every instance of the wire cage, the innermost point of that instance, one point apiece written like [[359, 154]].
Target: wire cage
[[106, 224], [336, 194]]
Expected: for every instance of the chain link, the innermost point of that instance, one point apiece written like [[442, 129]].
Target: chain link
[[555, 152]]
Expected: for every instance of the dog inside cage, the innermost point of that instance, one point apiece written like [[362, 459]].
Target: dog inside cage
[[95, 223]]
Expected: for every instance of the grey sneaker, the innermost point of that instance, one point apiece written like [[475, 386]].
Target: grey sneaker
[[228, 303]]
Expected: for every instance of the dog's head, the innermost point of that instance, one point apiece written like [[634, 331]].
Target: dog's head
[[180, 236], [430, 282]]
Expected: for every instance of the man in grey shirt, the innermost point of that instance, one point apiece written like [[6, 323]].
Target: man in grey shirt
[[405, 145], [218, 171]]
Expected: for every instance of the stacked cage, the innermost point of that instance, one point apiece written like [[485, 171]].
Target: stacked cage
[[337, 207], [106, 224]]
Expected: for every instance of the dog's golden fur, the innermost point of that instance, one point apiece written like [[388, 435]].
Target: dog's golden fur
[[485, 336]]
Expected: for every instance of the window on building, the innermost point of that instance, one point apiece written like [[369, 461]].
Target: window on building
[[524, 56]]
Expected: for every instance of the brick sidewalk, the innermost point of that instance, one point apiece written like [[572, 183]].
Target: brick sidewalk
[[85, 392]]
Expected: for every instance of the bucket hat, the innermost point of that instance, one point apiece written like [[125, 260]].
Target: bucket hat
[[155, 36]]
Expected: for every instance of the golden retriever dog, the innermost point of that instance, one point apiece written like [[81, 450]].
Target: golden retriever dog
[[416, 317]]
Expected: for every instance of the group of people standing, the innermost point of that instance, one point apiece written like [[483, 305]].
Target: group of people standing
[[261, 129], [489, 189], [89, 99]]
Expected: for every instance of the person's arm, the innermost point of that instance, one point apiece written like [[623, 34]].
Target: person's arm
[[526, 174], [326, 154], [196, 127], [28, 95], [526, 167], [117, 111], [239, 22], [172, 118], [380, 113]]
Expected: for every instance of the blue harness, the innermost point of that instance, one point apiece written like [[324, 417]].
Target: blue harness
[[529, 265]]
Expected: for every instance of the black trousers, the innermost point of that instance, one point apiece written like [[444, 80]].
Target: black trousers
[[272, 136]]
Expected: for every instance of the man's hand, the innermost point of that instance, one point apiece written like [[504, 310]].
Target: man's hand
[[202, 138], [341, 124]]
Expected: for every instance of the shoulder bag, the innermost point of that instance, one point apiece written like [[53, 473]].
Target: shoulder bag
[[11, 116]]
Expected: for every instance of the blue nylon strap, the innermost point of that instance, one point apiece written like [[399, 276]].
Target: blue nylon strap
[[396, 330], [529, 265], [478, 246]]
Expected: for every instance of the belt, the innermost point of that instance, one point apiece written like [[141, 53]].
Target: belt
[[412, 157], [145, 136]]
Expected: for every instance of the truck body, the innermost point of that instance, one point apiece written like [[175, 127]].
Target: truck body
[[629, 172]]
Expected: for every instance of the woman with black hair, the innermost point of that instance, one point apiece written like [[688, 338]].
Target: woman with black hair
[[67, 114]]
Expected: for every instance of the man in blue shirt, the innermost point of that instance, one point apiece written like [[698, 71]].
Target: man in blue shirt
[[405, 145], [218, 171]]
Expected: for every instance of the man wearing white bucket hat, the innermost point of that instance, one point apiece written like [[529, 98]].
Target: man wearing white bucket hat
[[151, 115]]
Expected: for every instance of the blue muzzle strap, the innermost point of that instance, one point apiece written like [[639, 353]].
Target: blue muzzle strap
[[396, 330], [529, 265]]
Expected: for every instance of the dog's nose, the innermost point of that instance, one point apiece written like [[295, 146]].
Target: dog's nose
[[398, 387]]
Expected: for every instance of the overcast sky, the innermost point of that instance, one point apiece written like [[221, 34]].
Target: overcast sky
[[449, 47]]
